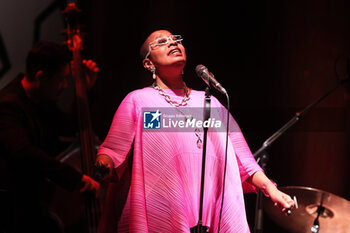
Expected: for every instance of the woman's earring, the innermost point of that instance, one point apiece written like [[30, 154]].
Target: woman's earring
[[153, 70]]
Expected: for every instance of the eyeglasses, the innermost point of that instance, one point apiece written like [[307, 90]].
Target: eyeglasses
[[163, 41]]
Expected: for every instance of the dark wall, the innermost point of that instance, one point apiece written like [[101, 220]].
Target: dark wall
[[274, 58]]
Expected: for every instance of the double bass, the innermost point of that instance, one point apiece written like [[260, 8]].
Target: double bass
[[78, 212]]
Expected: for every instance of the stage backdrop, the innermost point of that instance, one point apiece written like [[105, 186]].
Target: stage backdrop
[[273, 57]]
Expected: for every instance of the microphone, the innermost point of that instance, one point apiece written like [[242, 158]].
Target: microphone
[[209, 79]]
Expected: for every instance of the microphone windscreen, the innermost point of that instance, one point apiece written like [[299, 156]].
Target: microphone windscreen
[[200, 69]]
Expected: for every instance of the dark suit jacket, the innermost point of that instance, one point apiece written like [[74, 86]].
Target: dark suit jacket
[[28, 146]]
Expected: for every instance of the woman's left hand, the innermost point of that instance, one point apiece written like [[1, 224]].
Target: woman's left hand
[[281, 200]]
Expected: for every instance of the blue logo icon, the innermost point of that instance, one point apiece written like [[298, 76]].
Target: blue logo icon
[[151, 120]]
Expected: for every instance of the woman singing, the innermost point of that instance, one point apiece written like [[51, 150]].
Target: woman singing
[[164, 191]]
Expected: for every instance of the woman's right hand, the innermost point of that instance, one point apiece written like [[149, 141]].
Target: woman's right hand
[[104, 165]]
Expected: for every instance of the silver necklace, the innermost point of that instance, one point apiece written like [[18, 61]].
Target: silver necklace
[[168, 98], [176, 104]]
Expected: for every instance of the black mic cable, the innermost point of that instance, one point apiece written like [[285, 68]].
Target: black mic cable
[[225, 166]]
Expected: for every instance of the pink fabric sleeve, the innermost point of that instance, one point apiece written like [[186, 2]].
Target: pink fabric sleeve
[[246, 163], [121, 133]]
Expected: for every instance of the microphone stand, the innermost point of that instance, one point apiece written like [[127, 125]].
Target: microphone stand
[[262, 157], [199, 228]]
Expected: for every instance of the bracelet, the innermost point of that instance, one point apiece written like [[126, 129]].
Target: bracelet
[[264, 186]]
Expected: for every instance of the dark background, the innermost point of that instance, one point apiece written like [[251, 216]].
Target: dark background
[[273, 57]]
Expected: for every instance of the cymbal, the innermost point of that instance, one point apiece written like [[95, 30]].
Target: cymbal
[[334, 219]]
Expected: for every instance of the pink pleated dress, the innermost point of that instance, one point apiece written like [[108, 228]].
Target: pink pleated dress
[[164, 190]]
